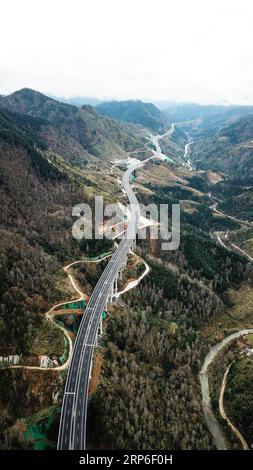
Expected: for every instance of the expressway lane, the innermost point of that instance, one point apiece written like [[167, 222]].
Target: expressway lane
[[72, 431], [78, 369]]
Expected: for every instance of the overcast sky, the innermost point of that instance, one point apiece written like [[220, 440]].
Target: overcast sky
[[184, 50]]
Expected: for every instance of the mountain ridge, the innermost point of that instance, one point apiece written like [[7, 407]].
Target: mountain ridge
[[76, 132], [229, 150], [135, 111]]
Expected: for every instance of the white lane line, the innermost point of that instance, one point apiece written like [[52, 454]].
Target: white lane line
[[89, 328]]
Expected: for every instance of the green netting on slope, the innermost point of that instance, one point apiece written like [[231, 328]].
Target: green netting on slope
[[64, 357], [42, 429]]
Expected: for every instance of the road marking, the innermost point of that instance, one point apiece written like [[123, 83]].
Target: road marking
[[87, 327]]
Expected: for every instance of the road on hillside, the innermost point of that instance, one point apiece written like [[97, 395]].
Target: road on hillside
[[72, 431], [211, 421], [223, 413]]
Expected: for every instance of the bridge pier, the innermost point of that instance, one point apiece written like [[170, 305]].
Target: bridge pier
[[133, 245], [91, 364], [114, 289], [100, 327], [110, 295], [99, 332], [115, 286]]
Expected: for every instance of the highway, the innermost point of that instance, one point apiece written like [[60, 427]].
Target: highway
[[72, 430]]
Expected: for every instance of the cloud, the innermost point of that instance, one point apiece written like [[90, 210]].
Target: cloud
[[161, 49]]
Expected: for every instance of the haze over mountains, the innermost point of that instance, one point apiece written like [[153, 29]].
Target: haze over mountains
[[78, 100], [223, 133], [158, 114]]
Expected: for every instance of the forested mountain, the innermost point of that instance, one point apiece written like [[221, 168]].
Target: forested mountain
[[148, 392], [38, 136], [240, 131], [76, 133], [229, 151], [137, 112], [239, 396], [38, 192], [203, 121], [35, 222], [149, 395]]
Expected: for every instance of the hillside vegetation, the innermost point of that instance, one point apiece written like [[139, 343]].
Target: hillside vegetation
[[137, 112], [76, 133], [239, 397], [205, 120], [53, 156], [229, 151]]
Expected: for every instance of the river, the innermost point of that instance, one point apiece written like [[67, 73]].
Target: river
[[186, 158]]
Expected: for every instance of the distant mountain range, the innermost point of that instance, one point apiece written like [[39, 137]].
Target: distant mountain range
[[78, 100], [137, 112], [189, 111], [133, 111], [206, 120], [224, 139]]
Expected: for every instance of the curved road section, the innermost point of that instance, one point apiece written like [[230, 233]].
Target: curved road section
[[223, 412], [72, 431], [211, 421]]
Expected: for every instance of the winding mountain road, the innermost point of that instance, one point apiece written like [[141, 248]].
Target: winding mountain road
[[52, 312], [72, 431], [224, 414], [245, 223], [211, 421], [210, 418]]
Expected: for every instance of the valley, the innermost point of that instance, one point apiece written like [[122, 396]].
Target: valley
[[157, 334]]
